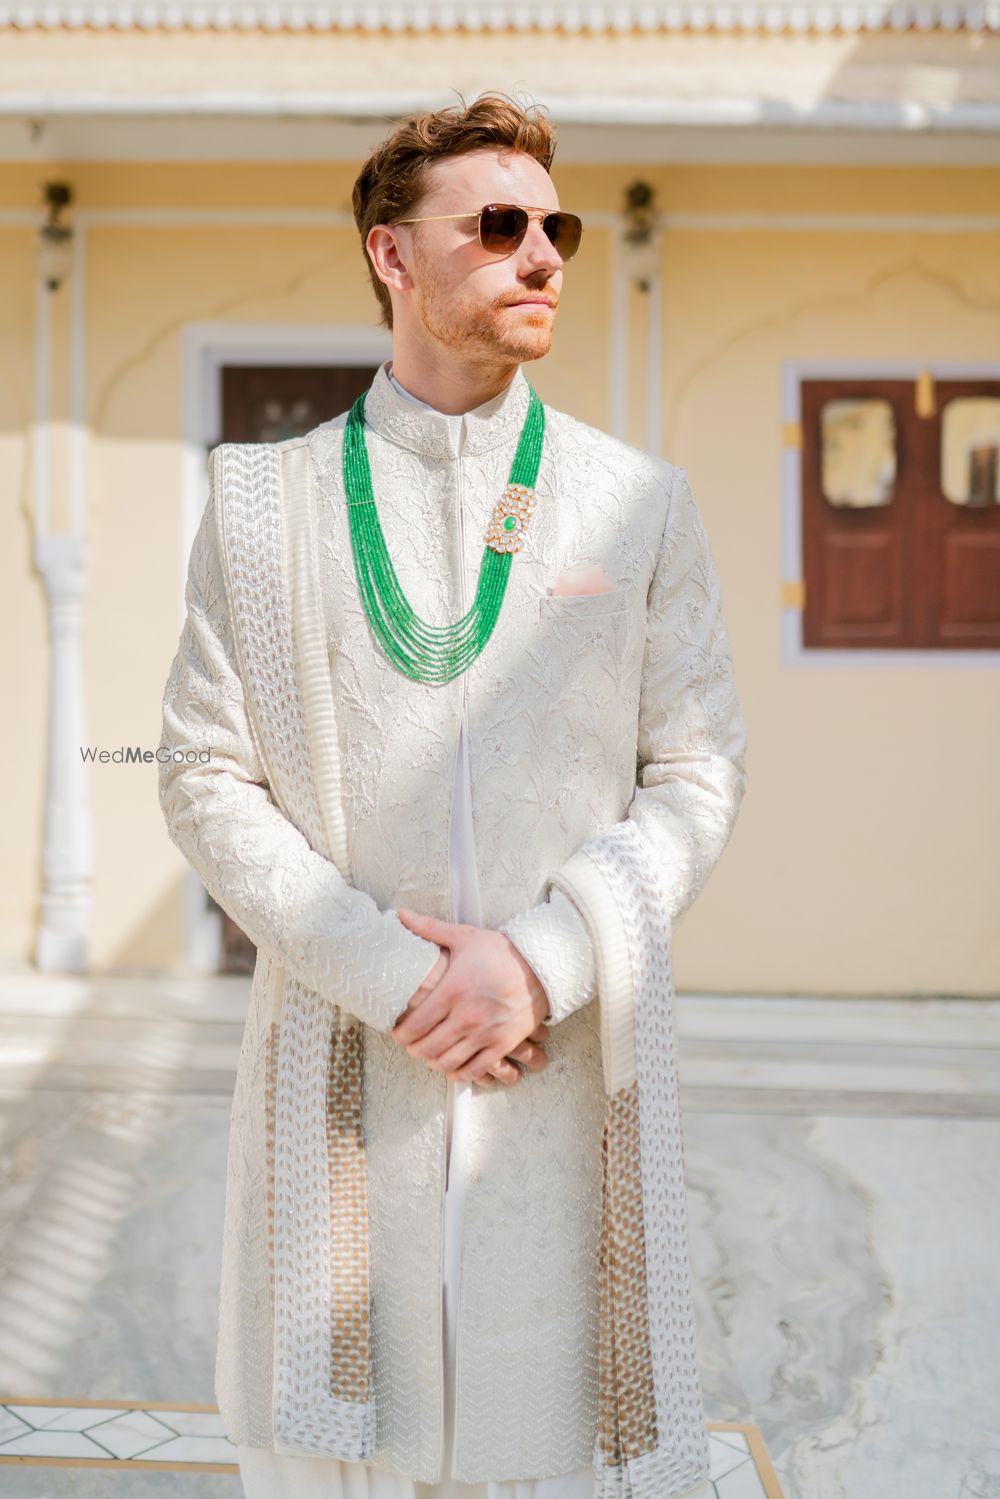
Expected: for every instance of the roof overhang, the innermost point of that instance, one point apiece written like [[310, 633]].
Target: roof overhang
[[766, 80], [804, 16]]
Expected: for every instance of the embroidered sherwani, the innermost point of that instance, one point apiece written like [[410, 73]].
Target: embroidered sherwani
[[598, 727]]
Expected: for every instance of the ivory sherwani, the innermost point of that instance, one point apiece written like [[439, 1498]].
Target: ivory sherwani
[[607, 759]]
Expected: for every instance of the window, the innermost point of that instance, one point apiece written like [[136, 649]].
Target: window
[[900, 515]]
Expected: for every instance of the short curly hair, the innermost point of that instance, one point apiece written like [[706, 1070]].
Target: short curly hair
[[393, 179]]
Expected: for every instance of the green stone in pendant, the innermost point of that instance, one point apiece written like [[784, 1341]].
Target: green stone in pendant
[[509, 522]]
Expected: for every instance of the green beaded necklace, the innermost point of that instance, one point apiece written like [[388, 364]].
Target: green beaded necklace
[[437, 653]]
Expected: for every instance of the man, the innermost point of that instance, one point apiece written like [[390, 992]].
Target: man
[[388, 651]]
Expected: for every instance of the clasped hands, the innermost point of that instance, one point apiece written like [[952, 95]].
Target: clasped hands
[[479, 1010]]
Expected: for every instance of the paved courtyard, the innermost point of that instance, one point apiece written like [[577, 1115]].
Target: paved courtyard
[[843, 1163]]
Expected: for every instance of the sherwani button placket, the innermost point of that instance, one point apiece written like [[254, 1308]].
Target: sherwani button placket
[[465, 906]]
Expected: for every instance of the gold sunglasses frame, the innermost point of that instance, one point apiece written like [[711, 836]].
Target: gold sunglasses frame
[[533, 213]]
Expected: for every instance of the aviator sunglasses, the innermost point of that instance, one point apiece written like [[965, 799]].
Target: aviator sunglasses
[[502, 226]]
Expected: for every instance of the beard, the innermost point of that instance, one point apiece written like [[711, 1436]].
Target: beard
[[495, 330]]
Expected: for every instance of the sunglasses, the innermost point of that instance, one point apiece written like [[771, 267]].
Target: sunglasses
[[502, 226]]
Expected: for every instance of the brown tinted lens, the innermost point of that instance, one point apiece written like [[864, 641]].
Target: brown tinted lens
[[502, 227], [564, 230]]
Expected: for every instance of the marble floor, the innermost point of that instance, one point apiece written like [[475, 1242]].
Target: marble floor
[[843, 1166]]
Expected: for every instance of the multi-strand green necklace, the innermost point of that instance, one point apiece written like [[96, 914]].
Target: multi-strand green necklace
[[437, 653]]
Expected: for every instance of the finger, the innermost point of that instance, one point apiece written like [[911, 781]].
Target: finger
[[486, 1061], [502, 1072], [419, 1019], [505, 1072], [449, 1050], [540, 1033], [533, 1056], [426, 989], [432, 927], [453, 1077]]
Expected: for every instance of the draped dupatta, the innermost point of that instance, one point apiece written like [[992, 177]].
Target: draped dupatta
[[650, 1441], [322, 1372]]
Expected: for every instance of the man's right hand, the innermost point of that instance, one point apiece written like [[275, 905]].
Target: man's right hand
[[529, 1053]]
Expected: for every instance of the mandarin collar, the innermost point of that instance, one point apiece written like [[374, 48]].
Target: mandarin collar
[[433, 433]]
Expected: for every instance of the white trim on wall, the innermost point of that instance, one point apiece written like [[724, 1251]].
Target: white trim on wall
[[309, 138], [792, 650], [704, 111]]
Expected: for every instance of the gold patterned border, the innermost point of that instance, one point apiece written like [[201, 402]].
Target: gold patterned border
[[626, 1427]]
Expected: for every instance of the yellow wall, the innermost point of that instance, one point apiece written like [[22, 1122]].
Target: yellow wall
[[863, 860]]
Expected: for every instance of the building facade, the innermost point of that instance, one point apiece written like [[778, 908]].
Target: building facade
[[789, 283]]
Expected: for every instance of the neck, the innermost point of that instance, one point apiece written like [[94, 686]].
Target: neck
[[451, 391]]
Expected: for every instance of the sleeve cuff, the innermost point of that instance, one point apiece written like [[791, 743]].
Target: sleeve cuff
[[396, 963], [554, 938]]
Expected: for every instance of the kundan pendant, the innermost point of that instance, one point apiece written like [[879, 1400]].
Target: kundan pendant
[[510, 518]]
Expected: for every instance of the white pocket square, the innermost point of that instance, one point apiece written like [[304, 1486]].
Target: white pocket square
[[584, 578]]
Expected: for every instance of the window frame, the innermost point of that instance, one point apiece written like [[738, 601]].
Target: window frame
[[792, 649]]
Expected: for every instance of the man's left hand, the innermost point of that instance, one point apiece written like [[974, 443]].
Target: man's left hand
[[488, 1001]]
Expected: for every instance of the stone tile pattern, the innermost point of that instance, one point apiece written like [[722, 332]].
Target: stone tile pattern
[[124, 1436]]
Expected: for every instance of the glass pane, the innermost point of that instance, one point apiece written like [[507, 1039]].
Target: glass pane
[[970, 440], [858, 451]]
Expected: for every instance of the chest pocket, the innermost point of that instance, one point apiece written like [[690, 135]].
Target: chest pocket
[[587, 636], [583, 606]]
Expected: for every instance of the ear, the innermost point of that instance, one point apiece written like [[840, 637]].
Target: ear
[[386, 253]]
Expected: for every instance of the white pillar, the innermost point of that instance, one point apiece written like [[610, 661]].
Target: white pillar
[[67, 850]]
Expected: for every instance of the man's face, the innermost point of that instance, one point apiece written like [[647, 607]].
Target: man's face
[[462, 296]]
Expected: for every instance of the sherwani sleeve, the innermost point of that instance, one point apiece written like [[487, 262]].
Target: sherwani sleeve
[[290, 900], [691, 756]]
